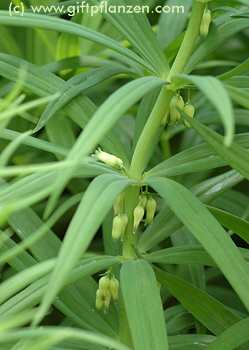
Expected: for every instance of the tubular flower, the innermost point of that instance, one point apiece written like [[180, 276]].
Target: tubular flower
[[206, 22], [109, 159], [100, 300], [104, 284], [138, 217], [189, 110], [177, 103], [142, 201], [108, 291], [150, 210], [119, 204], [119, 226], [114, 288]]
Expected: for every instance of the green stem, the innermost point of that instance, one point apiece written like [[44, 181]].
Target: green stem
[[152, 130], [189, 40], [165, 146], [149, 135], [131, 199], [149, 138]]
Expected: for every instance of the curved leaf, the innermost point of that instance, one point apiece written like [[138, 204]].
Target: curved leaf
[[143, 306], [208, 232]]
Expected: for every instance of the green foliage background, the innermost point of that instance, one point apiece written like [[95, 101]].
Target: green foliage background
[[70, 85]]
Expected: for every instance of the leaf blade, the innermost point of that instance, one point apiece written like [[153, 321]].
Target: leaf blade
[[143, 306]]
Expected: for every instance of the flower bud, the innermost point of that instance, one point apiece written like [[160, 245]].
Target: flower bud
[[142, 201], [104, 284], [190, 111], [119, 226], [119, 204], [174, 115], [179, 102], [107, 300], [99, 300], [114, 288], [206, 22], [138, 216], [176, 104], [150, 210], [109, 159]]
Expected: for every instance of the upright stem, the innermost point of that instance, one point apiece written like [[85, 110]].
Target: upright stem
[[131, 198], [151, 132], [149, 135], [149, 138], [189, 40]]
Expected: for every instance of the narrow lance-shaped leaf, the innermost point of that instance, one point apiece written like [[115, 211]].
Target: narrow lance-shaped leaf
[[74, 87], [225, 30], [62, 333], [208, 232], [136, 28], [82, 288], [99, 197], [34, 273], [103, 120], [186, 254], [235, 155], [143, 306], [234, 223], [210, 312], [232, 337], [194, 159], [43, 83], [41, 21]]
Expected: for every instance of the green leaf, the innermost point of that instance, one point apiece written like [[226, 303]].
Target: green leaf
[[185, 254], [103, 120], [210, 312], [194, 159], [18, 282], [74, 87], [143, 306], [43, 83], [63, 333], [178, 320], [13, 321], [136, 28], [181, 255], [165, 224], [29, 275], [99, 196], [225, 30], [240, 96], [77, 300], [215, 92], [244, 2], [208, 232], [37, 235], [190, 342], [236, 156], [232, 337], [52, 23], [238, 70], [232, 222]]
